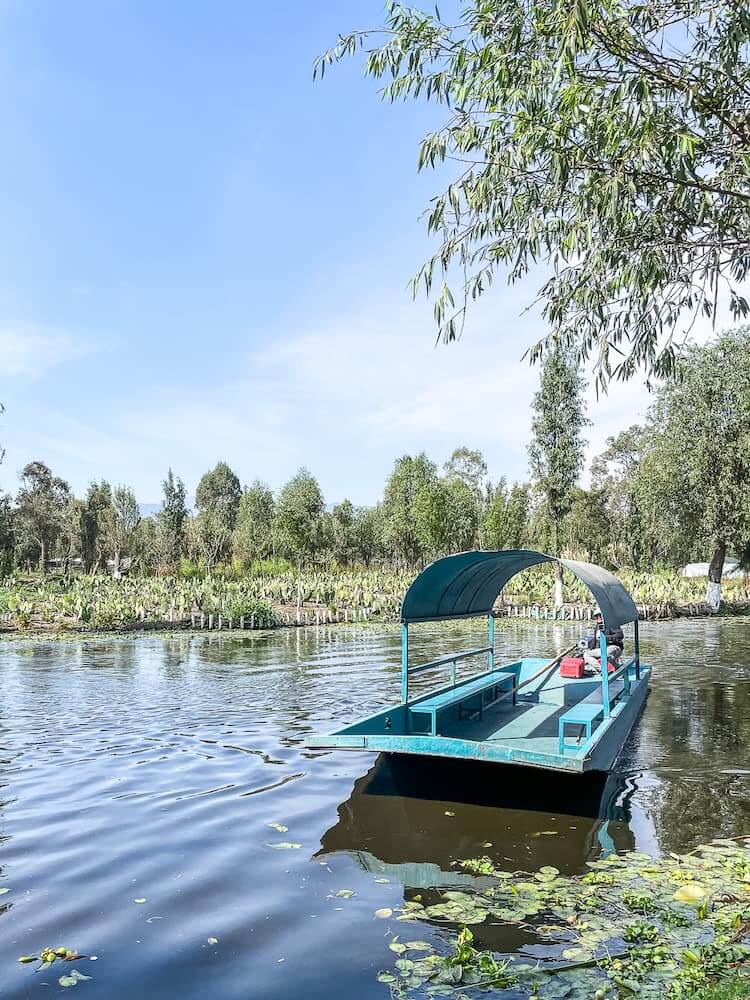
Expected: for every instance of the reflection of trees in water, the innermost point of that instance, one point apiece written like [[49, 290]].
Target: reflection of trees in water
[[698, 731]]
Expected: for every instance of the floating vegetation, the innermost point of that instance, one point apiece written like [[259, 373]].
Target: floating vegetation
[[285, 845], [668, 928], [279, 827], [73, 978], [48, 956]]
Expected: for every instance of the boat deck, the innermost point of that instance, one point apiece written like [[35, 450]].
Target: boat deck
[[525, 732], [532, 722]]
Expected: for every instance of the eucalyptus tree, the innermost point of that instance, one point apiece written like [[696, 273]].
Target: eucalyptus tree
[[253, 531], [40, 508], [342, 524], [169, 528], [505, 517], [298, 519], [470, 467], [700, 450], [367, 534], [608, 143], [298, 522], [7, 533], [557, 446], [447, 516], [402, 535], [641, 532], [94, 515], [121, 526], [70, 537], [217, 500]]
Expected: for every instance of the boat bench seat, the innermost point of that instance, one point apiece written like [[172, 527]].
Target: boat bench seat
[[585, 713], [479, 693]]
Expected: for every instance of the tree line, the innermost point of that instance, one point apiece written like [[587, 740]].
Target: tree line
[[669, 490]]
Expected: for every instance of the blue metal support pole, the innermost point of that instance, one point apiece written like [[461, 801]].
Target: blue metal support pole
[[404, 663], [637, 651], [491, 642], [605, 673]]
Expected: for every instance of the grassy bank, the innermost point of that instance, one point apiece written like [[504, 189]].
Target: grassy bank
[[271, 595]]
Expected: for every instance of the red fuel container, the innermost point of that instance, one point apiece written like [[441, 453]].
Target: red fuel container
[[571, 666]]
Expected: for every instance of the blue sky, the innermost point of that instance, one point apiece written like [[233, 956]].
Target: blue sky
[[205, 256]]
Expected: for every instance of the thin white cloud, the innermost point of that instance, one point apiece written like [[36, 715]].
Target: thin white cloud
[[34, 351], [345, 395]]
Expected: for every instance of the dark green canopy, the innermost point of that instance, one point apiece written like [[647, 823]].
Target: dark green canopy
[[468, 584]]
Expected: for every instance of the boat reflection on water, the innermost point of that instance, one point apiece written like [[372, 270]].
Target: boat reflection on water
[[411, 820]]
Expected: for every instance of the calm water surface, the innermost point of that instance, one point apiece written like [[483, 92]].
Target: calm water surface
[[151, 768]]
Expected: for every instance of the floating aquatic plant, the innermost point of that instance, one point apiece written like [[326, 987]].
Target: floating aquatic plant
[[665, 928]]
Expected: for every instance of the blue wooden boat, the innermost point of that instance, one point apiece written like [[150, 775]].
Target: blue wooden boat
[[522, 712]]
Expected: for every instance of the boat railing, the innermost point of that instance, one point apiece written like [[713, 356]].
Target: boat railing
[[623, 671], [451, 659]]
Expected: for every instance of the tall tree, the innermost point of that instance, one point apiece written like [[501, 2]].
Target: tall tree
[[447, 517], [40, 505], [470, 467], [298, 518], [217, 499], [253, 533], [169, 530], [700, 453], [94, 516], [70, 532], [342, 532], [556, 450], [401, 533], [577, 137], [121, 526], [505, 517], [7, 534], [367, 534], [298, 522]]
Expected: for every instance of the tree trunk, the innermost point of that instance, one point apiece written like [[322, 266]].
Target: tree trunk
[[558, 585], [116, 564], [299, 593], [42, 556], [715, 571]]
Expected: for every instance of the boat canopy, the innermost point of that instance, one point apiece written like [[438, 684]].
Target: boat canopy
[[468, 583]]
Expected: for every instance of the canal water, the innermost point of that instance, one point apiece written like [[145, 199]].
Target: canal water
[[145, 784]]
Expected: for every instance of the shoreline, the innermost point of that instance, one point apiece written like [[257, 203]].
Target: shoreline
[[229, 628]]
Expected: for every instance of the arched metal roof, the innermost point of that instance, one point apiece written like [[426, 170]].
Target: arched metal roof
[[467, 584]]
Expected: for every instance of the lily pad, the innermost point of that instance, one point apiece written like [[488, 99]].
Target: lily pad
[[384, 912], [690, 892], [345, 893]]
